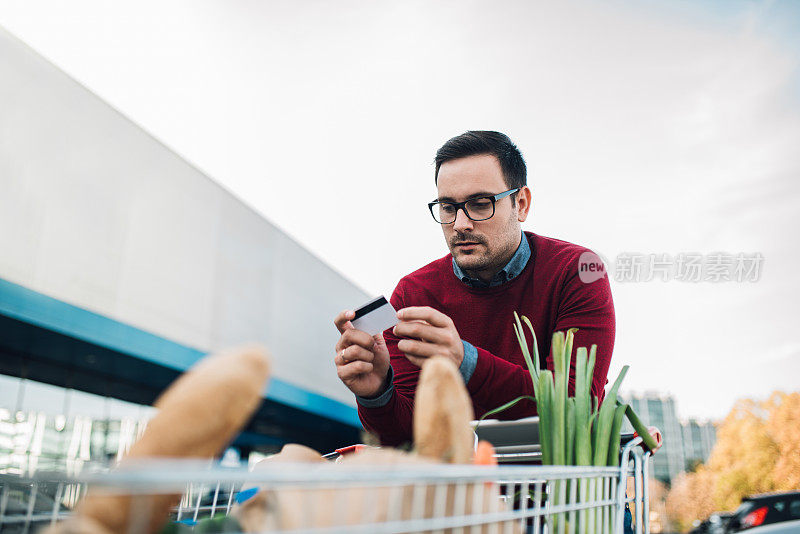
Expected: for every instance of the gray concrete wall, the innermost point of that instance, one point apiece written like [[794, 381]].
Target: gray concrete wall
[[97, 213]]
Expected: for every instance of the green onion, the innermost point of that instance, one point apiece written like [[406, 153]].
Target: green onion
[[583, 444], [559, 402], [545, 411], [533, 365], [536, 361], [640, 428], [614, 440], [577, 429], [605, 420], [506, 406], [571, 427]]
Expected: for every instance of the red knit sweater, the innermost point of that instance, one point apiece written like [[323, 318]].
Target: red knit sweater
[[548, 291]]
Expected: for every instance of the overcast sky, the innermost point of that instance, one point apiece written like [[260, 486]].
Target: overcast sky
[[648, 127]]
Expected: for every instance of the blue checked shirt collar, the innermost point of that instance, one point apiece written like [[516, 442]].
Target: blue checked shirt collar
[[512, 269]]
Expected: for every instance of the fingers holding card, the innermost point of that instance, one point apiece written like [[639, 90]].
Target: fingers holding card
[[362, 359], [375, 316]]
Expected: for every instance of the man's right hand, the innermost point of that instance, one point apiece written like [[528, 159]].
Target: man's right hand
[[362, 361]]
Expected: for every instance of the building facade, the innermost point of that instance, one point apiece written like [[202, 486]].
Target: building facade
[[659, 410], [698, 441], [121, 265], [685, 442]]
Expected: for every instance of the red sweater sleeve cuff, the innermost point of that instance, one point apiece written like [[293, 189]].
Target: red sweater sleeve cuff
[[497, 381]]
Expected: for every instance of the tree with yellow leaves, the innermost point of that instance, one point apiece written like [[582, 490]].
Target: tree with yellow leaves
[[756, 452], [744, 457], [784, 424], [690, 498]]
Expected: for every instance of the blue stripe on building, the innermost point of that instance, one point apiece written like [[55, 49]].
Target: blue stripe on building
[[31, 307]]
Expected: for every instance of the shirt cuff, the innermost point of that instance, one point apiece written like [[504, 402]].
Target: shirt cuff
[[469, 362], [382, 399]]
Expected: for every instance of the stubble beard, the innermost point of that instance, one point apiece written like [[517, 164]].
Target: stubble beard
[[481, 260]]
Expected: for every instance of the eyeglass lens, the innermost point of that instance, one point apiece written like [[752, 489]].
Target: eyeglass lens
[[478, 209]]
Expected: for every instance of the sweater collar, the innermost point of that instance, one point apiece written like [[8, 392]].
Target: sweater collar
[[511, 270]]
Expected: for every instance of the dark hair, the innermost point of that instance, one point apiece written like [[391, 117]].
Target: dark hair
[[479, 142]]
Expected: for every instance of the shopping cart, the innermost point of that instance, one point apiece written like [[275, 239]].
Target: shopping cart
[[517, 442], [328, 498]]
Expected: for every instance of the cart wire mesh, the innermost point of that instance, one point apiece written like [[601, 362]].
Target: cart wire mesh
[[330, 498]]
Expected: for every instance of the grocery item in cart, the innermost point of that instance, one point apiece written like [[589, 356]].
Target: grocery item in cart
[[442, 414], [198, 415], [442, 431]]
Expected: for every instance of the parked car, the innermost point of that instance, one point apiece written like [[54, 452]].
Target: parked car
[[786, 527], [715, 524], [766, 509], [719, 522]]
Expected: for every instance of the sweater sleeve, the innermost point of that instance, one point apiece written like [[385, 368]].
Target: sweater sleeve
[[392, 420], [587, 307], [497, 381]]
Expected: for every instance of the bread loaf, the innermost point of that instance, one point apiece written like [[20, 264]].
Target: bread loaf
[[442, 414], [198, 415]]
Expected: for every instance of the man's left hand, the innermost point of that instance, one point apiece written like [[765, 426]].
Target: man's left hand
[[432, 333]]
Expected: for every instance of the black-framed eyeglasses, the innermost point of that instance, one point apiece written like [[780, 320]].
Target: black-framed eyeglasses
[[476, 209]]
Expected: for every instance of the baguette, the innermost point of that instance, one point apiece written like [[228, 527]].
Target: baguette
[[442, 414], [292, 452], [198, 415]]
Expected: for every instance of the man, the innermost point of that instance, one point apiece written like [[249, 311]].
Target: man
[[461, 306]]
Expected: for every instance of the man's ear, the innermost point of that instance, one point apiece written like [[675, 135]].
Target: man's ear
[[523, 203]]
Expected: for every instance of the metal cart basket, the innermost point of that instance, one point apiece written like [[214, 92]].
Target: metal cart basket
[[329, 498]]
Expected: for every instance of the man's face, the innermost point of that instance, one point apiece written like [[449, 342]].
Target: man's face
[[480, 247]]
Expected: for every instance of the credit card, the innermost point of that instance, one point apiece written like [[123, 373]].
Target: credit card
[[375, 316]]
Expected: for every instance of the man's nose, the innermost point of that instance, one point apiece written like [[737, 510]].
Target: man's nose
[[462, 222]]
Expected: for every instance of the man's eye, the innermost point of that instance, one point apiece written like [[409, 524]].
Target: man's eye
[[447, 208], [480, 204]]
